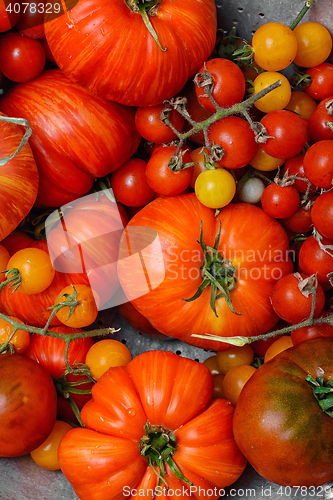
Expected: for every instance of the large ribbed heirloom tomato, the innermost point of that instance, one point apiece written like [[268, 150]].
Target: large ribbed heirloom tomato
[[76, 137], [107, 47], [18, 177], [215, 281], [151, 425]]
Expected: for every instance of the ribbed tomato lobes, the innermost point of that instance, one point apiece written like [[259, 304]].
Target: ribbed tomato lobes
[[126, 64], [172, 393]]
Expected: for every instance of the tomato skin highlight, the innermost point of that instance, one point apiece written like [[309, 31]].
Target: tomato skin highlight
[[28, 405], [279, 407]]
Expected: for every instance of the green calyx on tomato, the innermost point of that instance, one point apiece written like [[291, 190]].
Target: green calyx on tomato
[[146, 9], [323, 392], [157, 446], [217, 272]]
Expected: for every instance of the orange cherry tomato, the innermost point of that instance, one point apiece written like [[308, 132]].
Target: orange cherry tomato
[[105, 354], [20, 339], [278, 346], [46, 455], [86, 308], [226, 360], [235, 380], [35, 268]]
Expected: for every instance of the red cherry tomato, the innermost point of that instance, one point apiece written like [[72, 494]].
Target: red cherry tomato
[[228, 84], [313, 331], [129, 183], [151, 127], [280, 201], [321, 85], [163, 180], [287, 133], [21, 58], [237, 140], [9, 16], [322, 214], [290, 304], [318, 164], [313, 259]]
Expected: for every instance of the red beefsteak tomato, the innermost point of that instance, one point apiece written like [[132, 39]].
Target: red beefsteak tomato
[[162, 264], [76, 137], [107, 48], [159, 401], [278, 423], [18, 178]]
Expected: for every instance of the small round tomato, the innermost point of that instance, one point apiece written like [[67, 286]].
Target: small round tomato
[[292, 298], [287, 133], [298, 222], [237, 139], [301, 104], [228, 84], [320, 124], [313, 259], [321, 85], [129, 183], [161, 178], [151, 127], [264, 162], [212, 365], [104, 354], [16, 241], [274, 45], [280, 201], [31, 22], [314, 44], [251, 191], [313, 331], [35, 268], [295, 167], [279, 345], [215, 188], [28, 405], [236, 356], [322, 214], [275, 99], [318, 164], [85, 311], [46, 455], [20, 339], [234, 381], [21, 58]]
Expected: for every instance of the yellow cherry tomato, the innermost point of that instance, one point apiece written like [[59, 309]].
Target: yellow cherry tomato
[[274, 45], [301, 103], [265, 162], [215, 188], [46, 455], [105, 354], [275, 99], [314, 44]]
